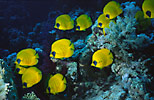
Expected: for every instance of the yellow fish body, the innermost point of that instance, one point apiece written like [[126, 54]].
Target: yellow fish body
[[83, 22], [56, 84], [148, 8], [27, 57], [62, 48], [64, 22], [19, 69], [102, 58], [102, 21], [112, 9], [31, 76]]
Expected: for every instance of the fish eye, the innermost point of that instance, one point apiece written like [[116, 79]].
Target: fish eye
[[58, 24], [148, 13], [49, 89], [95, 63], [18, 60], [54, 53], [17, 69], [107, 15], [78, 27], [25, 84], [100, 24]]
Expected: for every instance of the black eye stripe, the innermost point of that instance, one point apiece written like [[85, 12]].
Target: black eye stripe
[[95, 63], [54, 53], [100, 24], [25, 84], [49, 89], [17, 69], [148, 13], [78, 27], [18, 60], [107, 15], [58, 24]]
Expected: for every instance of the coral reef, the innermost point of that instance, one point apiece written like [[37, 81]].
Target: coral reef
[[3, 86], [30, 96], [129, 77], [122, 40], [9, 76]]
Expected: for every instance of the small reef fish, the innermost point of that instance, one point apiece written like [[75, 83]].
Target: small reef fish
[[112, 9], [27, 57], [148, 8], [102, 21], [19, 69], [31, 76], [56, 84], [64, 22], [143, 23], [83, 22], [102, 58], [62, 48]]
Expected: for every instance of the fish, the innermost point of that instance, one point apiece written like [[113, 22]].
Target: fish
[[64, 22], [83, 22], [148, 8], [31, 76], [56, 84], [112, 9], [27, 57], [143, 23], [62, 48], [102, 58], [19, 69], [102, 21]]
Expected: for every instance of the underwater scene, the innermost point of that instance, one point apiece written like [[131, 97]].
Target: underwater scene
[[76, 49]]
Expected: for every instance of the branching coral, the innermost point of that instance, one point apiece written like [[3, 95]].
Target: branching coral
[[30, 96], [122, 40], [3, 86], [8, 65]]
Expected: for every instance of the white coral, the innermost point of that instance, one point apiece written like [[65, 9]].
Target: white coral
[[3, 85], [30, 96]]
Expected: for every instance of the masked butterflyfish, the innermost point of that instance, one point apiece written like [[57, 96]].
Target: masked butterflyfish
[[27, 57], [112, 9], [83, 22], [102, 58], [148, 8], [31, 76], [102, 21], [143, 23], [19, 69], [62, 48], [64, 22], [56, 84]]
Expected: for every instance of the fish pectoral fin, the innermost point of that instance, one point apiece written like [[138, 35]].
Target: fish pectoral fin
[[36, 55]]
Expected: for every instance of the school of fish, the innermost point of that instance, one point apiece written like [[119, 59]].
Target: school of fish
[[27, 59]]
